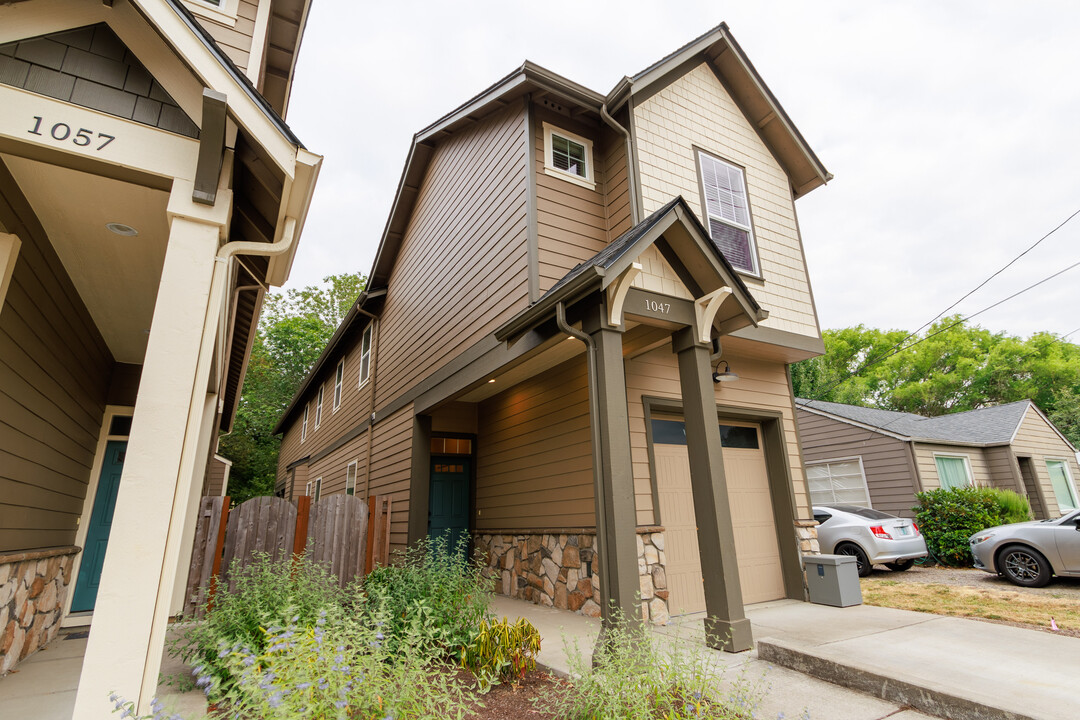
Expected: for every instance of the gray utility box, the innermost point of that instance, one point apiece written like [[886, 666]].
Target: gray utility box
[[833, 580]]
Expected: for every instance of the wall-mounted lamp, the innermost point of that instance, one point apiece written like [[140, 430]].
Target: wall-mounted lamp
[[726, 376]]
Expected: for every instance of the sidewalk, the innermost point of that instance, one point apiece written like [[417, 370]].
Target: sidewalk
[[889, 661]]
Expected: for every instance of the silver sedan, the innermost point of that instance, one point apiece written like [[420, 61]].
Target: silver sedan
[[1030, 553], [871, 536]]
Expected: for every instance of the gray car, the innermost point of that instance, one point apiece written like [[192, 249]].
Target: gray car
[[871, 536], [1030, 553]]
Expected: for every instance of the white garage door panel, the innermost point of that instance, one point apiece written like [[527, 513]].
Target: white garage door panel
[[680, 530]]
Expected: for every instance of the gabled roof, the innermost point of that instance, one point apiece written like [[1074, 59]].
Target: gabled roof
[[601, 269], [986, 426]]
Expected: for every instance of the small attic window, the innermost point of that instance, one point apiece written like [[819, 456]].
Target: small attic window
[[568, 156]]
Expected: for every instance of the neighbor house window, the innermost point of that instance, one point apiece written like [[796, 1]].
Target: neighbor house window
[[838, 481], [1064, 490], [337, 384], [303, 425], [953, 471], [727, 212], [318, 408], [318, 490], [365, 356], [568, 156], [307, 488], [350, 479]]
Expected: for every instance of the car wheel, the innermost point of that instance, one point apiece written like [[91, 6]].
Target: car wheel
[[900, 565], [1023, 566], [862, 562]]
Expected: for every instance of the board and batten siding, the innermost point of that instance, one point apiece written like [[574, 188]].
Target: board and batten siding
[[1035, 438], [54, 379], [235, 40], [463, 265], [886, 460], [928, 472], [696, 110], [762, 385], [534, 454]]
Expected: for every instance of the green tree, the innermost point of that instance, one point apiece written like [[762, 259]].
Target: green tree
[[294, 328]]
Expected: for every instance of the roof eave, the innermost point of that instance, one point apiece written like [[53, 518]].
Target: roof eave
[[538, 313]]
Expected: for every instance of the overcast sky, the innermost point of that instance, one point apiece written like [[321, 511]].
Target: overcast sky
[[953, 130]]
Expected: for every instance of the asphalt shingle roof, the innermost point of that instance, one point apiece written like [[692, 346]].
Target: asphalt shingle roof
[[986, 425]]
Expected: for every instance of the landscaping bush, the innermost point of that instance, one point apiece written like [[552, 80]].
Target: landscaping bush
[[501, 652], [947, 518], [430, 591], [266, 594]]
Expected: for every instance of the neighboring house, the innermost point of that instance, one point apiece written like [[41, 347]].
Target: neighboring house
[[881, 458], [532, 362], [217, 477], [149, 193]]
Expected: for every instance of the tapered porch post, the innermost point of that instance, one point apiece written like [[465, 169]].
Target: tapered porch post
[[616, 513], [726, 626], [127, 635]]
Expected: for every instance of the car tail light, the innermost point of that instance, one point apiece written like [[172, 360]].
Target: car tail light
[[916, 529], [879, 531]]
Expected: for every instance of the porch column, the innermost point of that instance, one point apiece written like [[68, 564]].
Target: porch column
[[616, 512], [127, 635], [726, 626]]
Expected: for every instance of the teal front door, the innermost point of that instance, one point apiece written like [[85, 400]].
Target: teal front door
[[448, 503], [97, 535]]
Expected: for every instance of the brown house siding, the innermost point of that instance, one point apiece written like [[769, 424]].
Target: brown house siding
[[886, 460], [391, 469], [462, 269], [333, 468], [1004, 472], [534, 455], [54, 370], [215, 477], [1038, 440]]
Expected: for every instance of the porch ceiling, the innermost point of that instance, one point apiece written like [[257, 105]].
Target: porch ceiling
[[116, 277]]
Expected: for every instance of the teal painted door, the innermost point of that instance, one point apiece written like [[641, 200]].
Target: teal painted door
[[97, 535], [448, 503]]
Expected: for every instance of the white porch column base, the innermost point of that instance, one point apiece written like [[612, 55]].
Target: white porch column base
[[128, 631]]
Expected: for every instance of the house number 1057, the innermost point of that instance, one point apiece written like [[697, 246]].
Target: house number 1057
[[62, 131]]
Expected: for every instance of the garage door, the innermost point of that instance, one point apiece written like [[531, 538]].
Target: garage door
[[756, 546]]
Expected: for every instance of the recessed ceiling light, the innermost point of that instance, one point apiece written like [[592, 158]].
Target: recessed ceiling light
[[491, 380], [121, 229]]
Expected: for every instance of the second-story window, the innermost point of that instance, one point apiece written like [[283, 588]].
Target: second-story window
[[303, 426], [568, 156], [728, 212], [318, 409], [365, 356], [350, 479], [337, 384]]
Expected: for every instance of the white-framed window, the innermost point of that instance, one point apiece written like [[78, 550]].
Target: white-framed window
[[365, 356], [307, 488], [350, 479], [339, 375], [954, 471], [318, 490], [221, 11], [838, 481], [318, 408], [1064, 488], [568, 156], [303, 425], [727, 212]]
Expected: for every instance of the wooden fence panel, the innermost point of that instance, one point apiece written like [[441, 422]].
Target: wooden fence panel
[[262, 524], [207, 531], [337, 535]]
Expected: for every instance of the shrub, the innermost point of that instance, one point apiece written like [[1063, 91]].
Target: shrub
[[266, 593], [948, 518], [637, 676], [430, 592], [502, 652]]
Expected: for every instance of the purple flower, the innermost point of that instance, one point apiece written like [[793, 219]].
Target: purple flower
[[341, 704], [274, 700], [303, 686]]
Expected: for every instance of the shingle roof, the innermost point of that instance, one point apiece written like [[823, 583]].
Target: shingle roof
[[995, 424]]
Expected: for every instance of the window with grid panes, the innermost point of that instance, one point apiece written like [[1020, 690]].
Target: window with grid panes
[[837, 482], [728, 212]]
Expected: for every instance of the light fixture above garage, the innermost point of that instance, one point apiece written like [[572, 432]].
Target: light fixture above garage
[[121, 229], [726, 376], [491, 380]]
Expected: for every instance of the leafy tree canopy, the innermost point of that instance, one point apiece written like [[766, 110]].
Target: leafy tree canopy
[[294, 328], [953, 368]]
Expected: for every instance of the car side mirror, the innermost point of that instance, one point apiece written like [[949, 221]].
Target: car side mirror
[[1076, 522]]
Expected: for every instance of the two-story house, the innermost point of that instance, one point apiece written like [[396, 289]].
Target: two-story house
[[150, 192], [567, 283]]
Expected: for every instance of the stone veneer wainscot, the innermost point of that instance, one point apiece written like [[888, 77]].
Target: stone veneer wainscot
[[33, 587]]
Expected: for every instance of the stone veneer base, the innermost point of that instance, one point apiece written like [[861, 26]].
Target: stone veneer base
[[33, 587]]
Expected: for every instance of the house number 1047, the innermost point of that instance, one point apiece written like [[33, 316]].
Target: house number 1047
[[62, 131], [660, 307]]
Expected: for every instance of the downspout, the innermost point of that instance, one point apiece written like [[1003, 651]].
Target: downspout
[[597, 448], [631, 174]]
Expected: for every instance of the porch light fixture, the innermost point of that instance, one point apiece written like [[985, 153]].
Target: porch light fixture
[[121, 229], [726, 376]]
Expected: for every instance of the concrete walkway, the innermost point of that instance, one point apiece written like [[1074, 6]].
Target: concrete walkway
[[866, 663]]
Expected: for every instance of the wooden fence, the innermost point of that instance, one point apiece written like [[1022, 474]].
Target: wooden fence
[[334, 532]]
